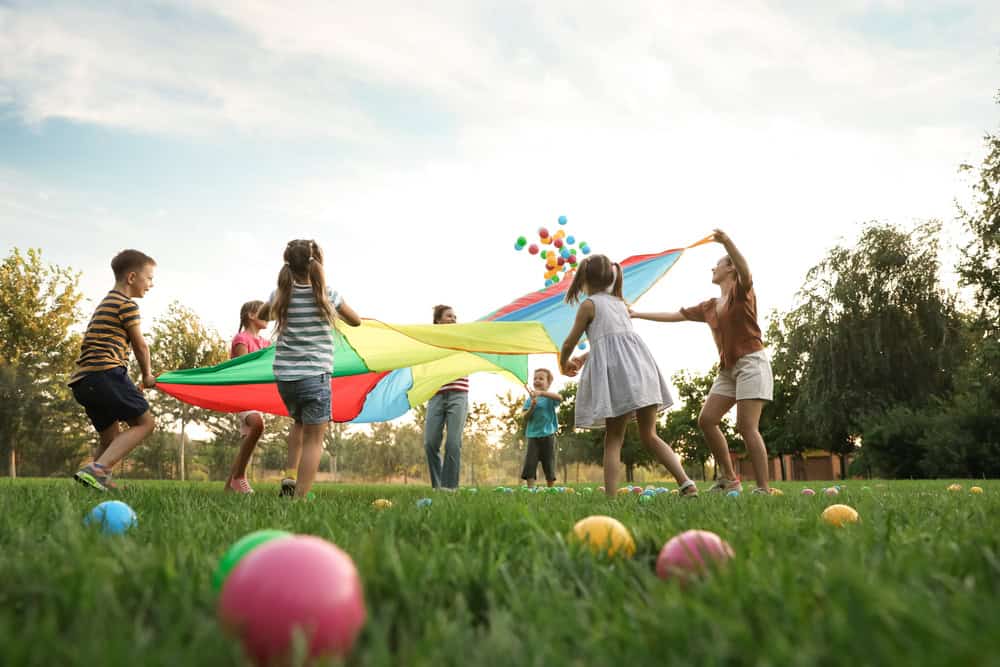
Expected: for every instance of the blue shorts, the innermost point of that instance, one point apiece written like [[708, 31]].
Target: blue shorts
[[109, 397], [308, 399]]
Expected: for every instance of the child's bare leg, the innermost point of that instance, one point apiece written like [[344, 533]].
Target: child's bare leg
[[294, 449], [106, 437], [530, 483], [128, 440], [312, 452], [715, 408], [747, 423], [247, 444], [654, 444], [614, 438]]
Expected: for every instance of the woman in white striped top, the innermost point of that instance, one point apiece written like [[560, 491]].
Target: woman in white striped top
[[447, 408]]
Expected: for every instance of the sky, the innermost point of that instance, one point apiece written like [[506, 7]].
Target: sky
[[416, 143]]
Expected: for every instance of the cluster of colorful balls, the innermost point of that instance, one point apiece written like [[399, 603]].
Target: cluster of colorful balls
[[274, 586], [560, 257]]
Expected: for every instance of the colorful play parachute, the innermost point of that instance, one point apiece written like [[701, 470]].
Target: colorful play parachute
[[381, 371]]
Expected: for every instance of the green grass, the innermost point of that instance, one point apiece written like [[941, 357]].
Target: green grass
[[491, 579]]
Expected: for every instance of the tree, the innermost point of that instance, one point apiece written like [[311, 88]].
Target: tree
[[873, 328], [179, 340], [680, 426], [476, 439], [980, 264], [39, 303]]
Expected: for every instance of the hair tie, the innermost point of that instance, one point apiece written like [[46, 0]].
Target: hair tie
[[312, 259]]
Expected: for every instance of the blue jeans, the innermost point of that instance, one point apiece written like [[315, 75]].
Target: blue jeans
[[307, 400], [445, 409]]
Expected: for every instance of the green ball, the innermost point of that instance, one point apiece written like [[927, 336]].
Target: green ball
[[645, 499], [521, 240], [544, 254], [239, 549]]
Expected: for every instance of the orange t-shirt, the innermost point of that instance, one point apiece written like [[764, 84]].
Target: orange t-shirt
[[735, 327]]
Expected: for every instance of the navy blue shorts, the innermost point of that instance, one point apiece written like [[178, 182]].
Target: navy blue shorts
[[109, 397], [308, 399]]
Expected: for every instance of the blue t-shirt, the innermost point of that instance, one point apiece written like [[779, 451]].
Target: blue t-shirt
[[543, 421]]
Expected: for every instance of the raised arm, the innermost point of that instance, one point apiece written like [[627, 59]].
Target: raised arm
[[584, 316], [658, 317], [739, 261]]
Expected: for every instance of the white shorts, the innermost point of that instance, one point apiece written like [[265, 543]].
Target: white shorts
[[242, 418], [749, 378]]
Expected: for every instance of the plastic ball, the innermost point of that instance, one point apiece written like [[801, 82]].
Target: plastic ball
[[774, 491], [499, 489], [521, 241], [424, 502], [581, 346], [733, 494], [808, 492], [290, 586], [472, 489], [113, 516], [562, 219], [603, 534], [976, 489], [560, 234], [586, 489], [381, 504], [533, 249], [838, 515], [572, 251], [560, 261], [542, 232], [637, 490], [955, 487], [832, 491], [239, 549], [600, 489], [646, 499], [555, 279], [585, 250], [675, 492], [569, 490], [549, 283], [544, 254], [691, 553], [558, 243], [648, 493], [546, 241]]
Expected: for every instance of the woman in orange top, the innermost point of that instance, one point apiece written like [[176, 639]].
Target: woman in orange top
[[745, 379]]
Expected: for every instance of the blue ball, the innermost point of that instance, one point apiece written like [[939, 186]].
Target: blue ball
[[733, 494], [649, 492], [570, 240], [424, 502], [113, 516], [582, 346], [562, 219], [585, 250], [518, 247], [549, 283]]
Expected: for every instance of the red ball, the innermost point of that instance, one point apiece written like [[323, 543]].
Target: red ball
[[558, 243], [560, 261], [636, 489], [294, 583], [691, 553], [543, 233], [533, 248]]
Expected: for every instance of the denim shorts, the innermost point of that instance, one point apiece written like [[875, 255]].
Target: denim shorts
[[109, 397], [308, 399]]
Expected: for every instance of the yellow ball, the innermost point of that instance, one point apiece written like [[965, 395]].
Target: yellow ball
[[382, 504], [675, 492], [955, 487], [838, 515], [570, 489], [605, 535], [976, 489], [776, 492]]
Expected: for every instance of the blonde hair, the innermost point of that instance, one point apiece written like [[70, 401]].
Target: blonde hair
[[598, 273], [303, 259]]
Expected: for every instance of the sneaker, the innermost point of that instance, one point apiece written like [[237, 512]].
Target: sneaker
[[95, 476], [723, 485], [688, 489], [287, 487], [239, 485], [765, 492]]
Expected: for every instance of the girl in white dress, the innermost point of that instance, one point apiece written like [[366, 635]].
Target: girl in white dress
[[620, 379]]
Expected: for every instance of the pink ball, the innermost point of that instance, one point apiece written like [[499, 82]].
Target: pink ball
[[690, 553], [533, 249], [294, 582], [808, 492]]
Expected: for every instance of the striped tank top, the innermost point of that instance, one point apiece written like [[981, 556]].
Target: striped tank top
[[106, 343], [305, 345]]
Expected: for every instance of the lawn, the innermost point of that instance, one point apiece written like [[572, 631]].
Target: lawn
[[491, 579]]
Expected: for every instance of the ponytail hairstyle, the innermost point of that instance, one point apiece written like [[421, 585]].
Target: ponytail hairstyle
[[303, 260], [598, 274], [246, 311]]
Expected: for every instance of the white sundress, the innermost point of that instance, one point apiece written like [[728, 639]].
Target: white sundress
[[620, 375]]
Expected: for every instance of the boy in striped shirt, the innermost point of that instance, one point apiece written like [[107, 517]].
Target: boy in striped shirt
[[100, 382]]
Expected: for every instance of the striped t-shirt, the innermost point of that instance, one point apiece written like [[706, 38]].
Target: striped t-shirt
[[461, 384], [106, 343], [305, 346]]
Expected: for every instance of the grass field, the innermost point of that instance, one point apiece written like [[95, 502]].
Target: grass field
[[490, 579]]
